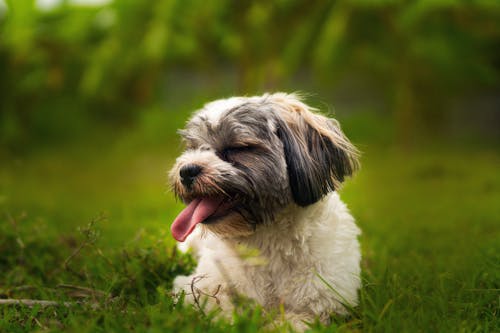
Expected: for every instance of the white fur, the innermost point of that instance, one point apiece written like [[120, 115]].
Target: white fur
[[280, 264], [215, 109]]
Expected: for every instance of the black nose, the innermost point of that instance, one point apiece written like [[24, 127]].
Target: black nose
[[189, 173]]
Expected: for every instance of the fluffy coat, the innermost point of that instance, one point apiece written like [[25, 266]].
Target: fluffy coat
[[290, 241]]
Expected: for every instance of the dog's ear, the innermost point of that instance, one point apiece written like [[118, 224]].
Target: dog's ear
[[317, 153]]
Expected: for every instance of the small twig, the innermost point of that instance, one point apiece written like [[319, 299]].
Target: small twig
[[91, 236], [33, 302], [214, 295], [197, 293], [19, 288], [39, 323], [196, 297], [84, 290]]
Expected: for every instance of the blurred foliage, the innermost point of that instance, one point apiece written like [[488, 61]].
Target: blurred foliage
[[70, 66]]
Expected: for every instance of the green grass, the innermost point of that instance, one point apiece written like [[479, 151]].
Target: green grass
[[431, 241]]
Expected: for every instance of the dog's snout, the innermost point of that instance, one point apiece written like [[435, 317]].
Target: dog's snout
[[189, 173]]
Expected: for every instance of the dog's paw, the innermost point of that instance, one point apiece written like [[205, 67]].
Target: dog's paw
[[182, 283]]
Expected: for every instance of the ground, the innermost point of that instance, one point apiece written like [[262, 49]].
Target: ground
[[89, 222]]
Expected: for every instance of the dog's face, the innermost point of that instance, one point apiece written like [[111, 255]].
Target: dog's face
[[247, 158]]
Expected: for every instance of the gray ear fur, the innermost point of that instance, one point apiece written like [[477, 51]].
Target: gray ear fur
[[318, 158]]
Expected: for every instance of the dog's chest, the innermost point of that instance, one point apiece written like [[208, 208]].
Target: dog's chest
[[280, 271]]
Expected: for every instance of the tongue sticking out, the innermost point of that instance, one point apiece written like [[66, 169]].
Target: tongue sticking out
[[197, 211]]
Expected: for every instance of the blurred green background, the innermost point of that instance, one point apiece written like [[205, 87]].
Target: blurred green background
[[92, 92], [419, 68]]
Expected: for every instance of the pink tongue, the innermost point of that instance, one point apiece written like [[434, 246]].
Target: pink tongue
[[197, 211]]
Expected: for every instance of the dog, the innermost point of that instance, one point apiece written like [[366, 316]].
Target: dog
[[263, 218]]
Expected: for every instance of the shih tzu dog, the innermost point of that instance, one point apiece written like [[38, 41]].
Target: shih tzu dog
[[259, 176]]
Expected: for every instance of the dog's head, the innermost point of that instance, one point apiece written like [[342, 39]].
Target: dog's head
[[247, 158]]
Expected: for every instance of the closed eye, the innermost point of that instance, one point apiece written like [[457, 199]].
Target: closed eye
[[229, 152]]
